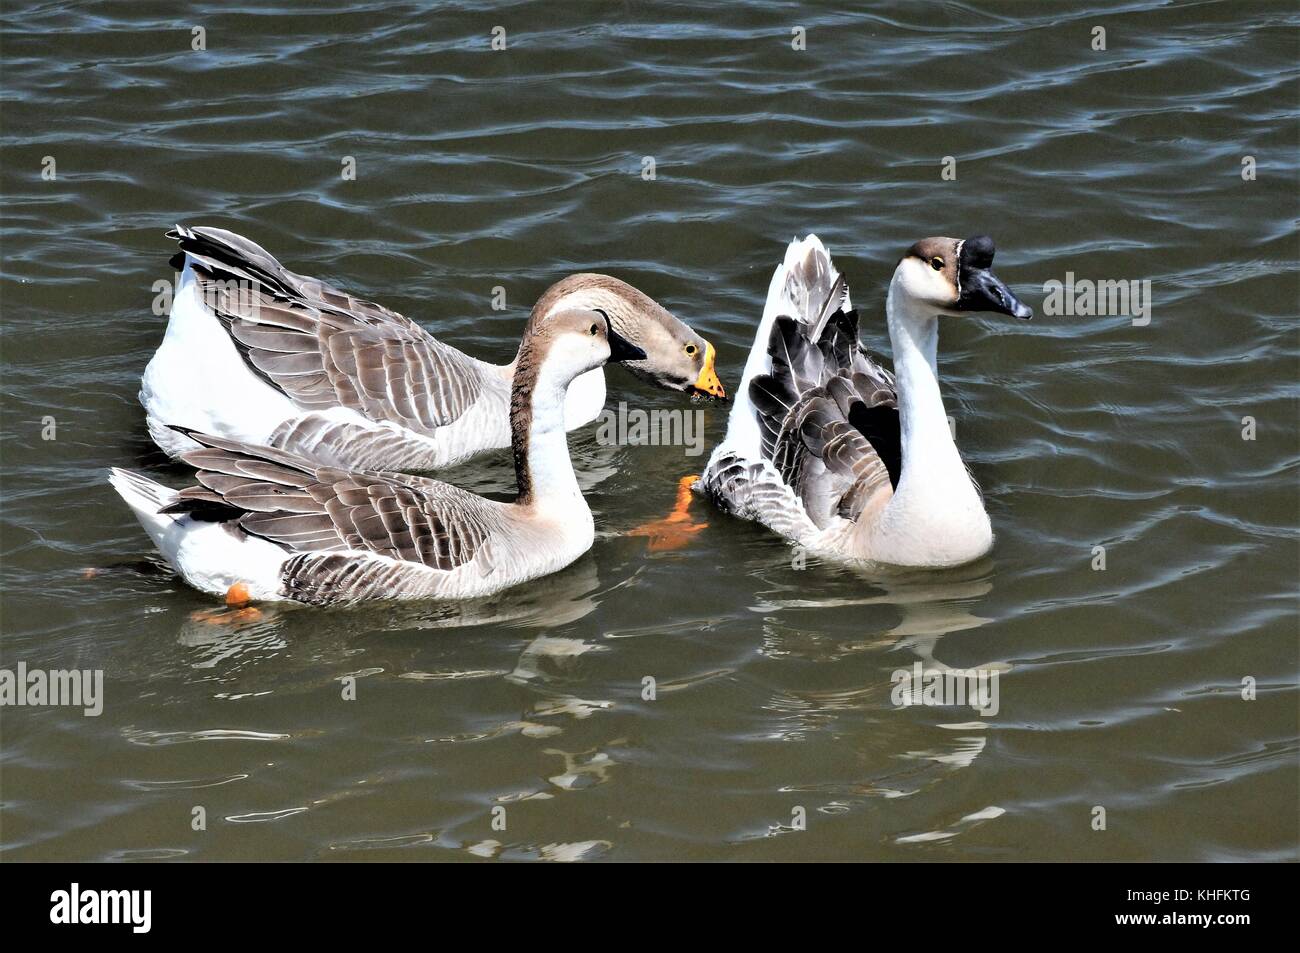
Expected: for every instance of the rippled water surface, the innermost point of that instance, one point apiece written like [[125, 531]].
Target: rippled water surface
[[1119, 688]]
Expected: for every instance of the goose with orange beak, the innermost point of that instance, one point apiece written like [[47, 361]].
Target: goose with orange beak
[[256, 353]]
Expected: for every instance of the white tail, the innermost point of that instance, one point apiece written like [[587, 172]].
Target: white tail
[[195, 362], [203, 552], [804, 286], [146, 498]]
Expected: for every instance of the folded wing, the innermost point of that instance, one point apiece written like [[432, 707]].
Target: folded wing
[[311, 509], [828, 416], [324, 348]]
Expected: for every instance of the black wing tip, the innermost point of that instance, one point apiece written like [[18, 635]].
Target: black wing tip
[[185, 234], [789, 327], [846, 318], [196, 237], [786, 329], [214, 442], [195, 435], [834, 302]]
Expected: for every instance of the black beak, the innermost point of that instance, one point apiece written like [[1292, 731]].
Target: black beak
[[981, 290], [620, 348]]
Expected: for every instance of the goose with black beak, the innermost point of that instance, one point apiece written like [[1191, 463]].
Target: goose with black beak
[[826, 447]]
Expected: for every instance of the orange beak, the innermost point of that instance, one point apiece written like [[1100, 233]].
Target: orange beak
[[707, 382]]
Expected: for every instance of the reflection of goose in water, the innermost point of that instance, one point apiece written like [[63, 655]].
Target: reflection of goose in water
[[546, 655], [931, 607], [221, 636], [550, 602], [909, 749]]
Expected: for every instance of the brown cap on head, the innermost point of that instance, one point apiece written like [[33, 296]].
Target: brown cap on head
[[940, 254], [967, 267]]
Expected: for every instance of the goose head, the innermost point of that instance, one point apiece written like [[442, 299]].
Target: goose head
[[553, 352], [570, 343], [954, 276], [675, 357]]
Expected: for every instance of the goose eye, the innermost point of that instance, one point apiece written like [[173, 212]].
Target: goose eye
[[936, 264], [593, 330], [691, 349]]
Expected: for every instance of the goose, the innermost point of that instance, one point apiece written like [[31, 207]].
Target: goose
[[256, 353], [830, 450], [264, 523]]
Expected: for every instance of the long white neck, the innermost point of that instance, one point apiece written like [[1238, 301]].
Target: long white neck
[[584, 400], [914, 337], [542, 463], [936, 515]]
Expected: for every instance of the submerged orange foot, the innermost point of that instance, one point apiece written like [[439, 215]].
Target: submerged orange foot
[[237, 608], [227, 616], [676, 529]]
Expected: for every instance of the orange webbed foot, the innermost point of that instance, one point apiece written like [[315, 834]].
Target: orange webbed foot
[[232, 617], [676, 529], [237, 609]]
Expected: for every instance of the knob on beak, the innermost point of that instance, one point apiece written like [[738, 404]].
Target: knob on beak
[[981, 290], [708, 382]]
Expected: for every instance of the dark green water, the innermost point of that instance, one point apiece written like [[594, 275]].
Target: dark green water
[[1121, 688]]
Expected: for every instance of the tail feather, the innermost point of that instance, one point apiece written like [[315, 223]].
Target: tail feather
[[139, 491], [814, 432], [146, 498], [838, 339], [225, 251], [192, 532], [806, 288], [792, 358], [813, 290]]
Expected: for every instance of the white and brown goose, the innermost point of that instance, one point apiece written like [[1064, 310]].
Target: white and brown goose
[[274, 525], [256, 353], [832, 451]]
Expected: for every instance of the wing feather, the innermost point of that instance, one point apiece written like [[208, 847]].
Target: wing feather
[[305, 507], [828, 416], [323, 348]]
